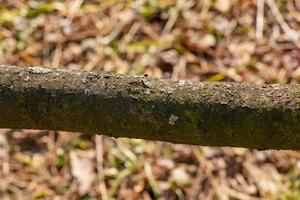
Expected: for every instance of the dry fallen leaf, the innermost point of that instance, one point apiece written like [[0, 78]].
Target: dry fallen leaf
[[180, 176], [83, 169], [223, 5]]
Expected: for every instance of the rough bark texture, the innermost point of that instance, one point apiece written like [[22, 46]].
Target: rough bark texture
[[211, 114]]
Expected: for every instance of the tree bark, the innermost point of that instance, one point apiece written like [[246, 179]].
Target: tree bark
[[200, 113]]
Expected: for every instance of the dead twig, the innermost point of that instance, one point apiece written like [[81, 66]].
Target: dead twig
[[291, 34], [260, 4], [100, 174]]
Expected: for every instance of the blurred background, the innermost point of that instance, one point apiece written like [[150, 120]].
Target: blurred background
[[255, 41]]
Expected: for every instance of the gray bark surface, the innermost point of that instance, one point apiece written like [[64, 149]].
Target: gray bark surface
[[200, 113]]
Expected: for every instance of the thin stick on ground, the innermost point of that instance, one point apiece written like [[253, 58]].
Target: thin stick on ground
[[173, 17], [260, 4], [291, 34], [100, 174]]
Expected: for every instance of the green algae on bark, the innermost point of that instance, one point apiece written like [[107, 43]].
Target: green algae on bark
[[200, 113]]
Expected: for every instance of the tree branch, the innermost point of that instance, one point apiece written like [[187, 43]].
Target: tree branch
[[211, 114]]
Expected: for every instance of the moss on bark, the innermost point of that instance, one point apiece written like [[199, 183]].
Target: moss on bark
[[211, 114]]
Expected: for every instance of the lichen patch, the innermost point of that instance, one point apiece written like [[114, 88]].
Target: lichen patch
[[39, 70], [167, 90], [173, 119]]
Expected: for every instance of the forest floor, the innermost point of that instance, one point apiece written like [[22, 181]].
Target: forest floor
[[213, 40]]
